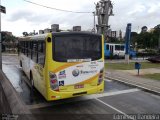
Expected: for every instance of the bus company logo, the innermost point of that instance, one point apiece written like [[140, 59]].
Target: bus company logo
[[62, 74], [88, 72], [75, 72]]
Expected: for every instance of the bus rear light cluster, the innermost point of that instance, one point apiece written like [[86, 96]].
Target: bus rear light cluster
[[53, 81], [100, 78]]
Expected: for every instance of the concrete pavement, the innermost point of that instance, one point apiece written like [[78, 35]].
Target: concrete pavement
[[131, 78]]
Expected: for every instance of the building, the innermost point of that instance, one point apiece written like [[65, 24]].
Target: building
[[55, 27], [76, 28], [47, 30], [41, 31]]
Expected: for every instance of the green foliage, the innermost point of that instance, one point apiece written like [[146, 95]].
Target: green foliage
[[130, 66], [25, 34], [7, 38], [146, 40], [155, 76]]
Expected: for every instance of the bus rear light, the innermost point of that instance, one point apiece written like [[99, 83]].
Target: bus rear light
[[100, 75], [53, 81], [100, 81]]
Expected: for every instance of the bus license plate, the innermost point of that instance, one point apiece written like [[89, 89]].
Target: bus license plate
[[78, 86]]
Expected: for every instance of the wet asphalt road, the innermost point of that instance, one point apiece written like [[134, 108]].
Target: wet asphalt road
[[116, 99]]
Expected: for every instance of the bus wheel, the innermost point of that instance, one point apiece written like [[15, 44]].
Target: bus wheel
[[31, 80], [20, 63], [32, 88]]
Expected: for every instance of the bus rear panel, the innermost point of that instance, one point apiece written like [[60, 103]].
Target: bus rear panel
[[77, 65]]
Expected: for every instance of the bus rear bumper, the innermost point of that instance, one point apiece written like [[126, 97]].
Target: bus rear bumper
[[54, 95]]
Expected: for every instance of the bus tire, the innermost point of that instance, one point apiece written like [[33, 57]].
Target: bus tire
[[32, 88], [20, 63], [31, 80]]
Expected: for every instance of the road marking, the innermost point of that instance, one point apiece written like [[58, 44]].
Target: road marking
[[129, 117], [116, 93], [107, 80], [82, 98]]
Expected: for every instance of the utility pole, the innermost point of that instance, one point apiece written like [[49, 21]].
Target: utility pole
[[104, 9], [159, 39], [3, 10], [94, 22], [159, 42]]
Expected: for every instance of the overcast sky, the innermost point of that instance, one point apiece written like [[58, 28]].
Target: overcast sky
[[22, 16]]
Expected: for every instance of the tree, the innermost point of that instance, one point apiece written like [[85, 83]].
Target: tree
[[25, 34], [134, 38]]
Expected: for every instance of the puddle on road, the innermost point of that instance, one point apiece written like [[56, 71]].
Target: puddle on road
[[113, 86]]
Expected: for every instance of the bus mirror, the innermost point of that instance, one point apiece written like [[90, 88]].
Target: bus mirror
[[48, 39]]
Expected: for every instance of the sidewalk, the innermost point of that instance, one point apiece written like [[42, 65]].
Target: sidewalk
[[132, 79]]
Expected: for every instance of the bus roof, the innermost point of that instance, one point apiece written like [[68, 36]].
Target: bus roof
[[114, 44], [35, 37], [43, 36]]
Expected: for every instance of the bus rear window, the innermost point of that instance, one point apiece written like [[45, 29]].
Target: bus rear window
[[74, 46]]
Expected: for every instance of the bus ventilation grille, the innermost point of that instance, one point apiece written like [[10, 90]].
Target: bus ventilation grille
[[81, 93]]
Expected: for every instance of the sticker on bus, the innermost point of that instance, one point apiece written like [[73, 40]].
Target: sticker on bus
[[78, 86], [61, 83], [62, 74], [79, 60]]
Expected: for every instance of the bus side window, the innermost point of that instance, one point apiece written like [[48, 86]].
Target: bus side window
[[23, 46], [122, 48], [20, 46], [34, 52], [29, 49], [41, 53]]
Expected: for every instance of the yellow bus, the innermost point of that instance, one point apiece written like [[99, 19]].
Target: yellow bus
[[63, 64]]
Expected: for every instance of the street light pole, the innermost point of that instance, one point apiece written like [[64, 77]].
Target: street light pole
[[159, 39], [94, 22], [0, 42]]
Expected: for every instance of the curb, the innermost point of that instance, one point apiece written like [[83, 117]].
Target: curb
[[134, 85]]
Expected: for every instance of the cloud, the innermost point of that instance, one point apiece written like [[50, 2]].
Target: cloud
[[29, 17], [138, 12]]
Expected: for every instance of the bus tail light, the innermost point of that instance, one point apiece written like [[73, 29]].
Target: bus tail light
[[100, 78], [53, 81]]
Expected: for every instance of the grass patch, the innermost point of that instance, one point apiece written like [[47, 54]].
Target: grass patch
[[130, 66], [155, 76]]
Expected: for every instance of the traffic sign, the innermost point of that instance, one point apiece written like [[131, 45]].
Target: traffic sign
[[2, 9]]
